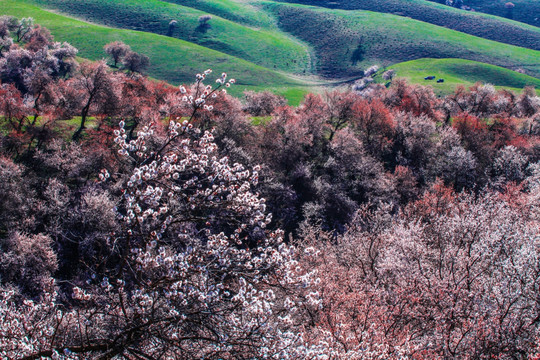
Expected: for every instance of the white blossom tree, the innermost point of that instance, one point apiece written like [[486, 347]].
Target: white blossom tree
[[193, 274]]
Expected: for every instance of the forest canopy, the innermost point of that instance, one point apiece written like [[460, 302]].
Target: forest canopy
[[139, 220]]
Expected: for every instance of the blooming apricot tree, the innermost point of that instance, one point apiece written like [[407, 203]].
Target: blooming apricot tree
[[193, 274]]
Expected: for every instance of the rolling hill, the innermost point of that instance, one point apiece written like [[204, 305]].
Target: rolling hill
[[461, 72], [256, 45], [173, 60], [291, 48], [526, 11], [477, 24], [346, 42], [242, 12]]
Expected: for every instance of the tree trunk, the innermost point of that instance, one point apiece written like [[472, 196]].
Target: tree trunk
[[77, 135]]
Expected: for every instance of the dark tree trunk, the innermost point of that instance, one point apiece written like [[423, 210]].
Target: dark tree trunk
[[84, 114]]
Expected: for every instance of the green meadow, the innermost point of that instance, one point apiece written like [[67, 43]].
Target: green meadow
[[346, 42], [290, 48], [256, 45], [461, 72], [173, 60], [474, 23]]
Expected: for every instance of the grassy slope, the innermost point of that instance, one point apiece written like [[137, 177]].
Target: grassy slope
[[346, 42], [176, 61], [173, 60], [526, 11], [461, 72], [254, 45], [481, 25], [235, 10]]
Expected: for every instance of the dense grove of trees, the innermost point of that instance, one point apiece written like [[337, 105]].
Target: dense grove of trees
[[143, 221]]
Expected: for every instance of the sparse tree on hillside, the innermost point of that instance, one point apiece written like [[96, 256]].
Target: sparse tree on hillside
[[94, 85], [389, 75], [204, 23], [172, 26], [204, 19], [5, 39], [12, 107], [509, 6], [528, 103], [117, 50], [135, 63], [38, 38], [23, 28]]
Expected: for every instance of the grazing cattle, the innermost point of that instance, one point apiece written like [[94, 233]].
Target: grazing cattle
[[440, 80], [429, 78]]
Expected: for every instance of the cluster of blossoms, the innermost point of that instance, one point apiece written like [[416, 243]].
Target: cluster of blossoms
[[186, 174], [199, 99], [362, 84], [31, 327], [135, 146], [190, 163], [104, 175], [199, 275]]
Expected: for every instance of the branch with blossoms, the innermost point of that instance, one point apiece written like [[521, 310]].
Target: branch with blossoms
[[194, 273]]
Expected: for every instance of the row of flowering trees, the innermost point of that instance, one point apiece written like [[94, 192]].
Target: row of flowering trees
[[409, 222]]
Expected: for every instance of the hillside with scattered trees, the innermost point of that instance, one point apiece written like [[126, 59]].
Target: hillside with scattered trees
[[296, 47], [142, 220]]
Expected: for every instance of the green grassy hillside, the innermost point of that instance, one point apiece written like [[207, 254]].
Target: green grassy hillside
[[346, 42], [526, 11], [241, 11], [254, 45], [461, 72], [481, 25], [171, 59], [264, 43]]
